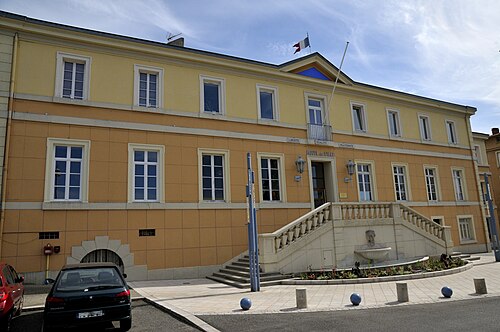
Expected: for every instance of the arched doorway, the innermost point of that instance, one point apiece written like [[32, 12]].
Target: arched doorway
[[103, 255]]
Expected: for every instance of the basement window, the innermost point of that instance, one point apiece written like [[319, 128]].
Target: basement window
[[147, 232], [48, 235]]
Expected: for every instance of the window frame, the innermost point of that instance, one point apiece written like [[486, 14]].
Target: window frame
[[50, 169], [281, 171], [476, 150], [436, 183], [406, 182], [398, 122], [138, 69], [424, 121], [463, 184], [226, 179], [373, 182], [363, 120], [221, 82], [274, 92], [160, 172], [451, 131], [497, 155], [442, 223], [61, 58], [471, 229]]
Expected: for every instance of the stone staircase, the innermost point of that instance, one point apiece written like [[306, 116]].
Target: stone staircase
[[237, 274], [466, 257]]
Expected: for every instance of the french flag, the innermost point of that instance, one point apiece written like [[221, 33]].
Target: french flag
[[301, 45]]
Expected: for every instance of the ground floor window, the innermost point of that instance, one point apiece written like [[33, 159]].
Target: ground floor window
[[466, 229]]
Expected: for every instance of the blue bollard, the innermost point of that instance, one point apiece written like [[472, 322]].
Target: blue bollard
[[245, 303], [355, 299], [447, 291]]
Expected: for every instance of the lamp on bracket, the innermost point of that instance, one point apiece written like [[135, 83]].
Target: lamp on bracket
[[350, 170], [299, 164]]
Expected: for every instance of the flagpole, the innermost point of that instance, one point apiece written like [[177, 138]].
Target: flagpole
[[337, 78]]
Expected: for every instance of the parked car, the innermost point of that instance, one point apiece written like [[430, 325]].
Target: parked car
[[11, 295], [88, 293]]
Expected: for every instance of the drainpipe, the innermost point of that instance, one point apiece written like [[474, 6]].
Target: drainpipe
[[7, 136]]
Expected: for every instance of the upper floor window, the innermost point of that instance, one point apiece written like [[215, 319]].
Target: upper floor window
[[212, 95], [400, 182], [394, 126], [452, 134], [477, 154], [72, 76], [315, 107], [358, 117], [431, 184], [425, 127], [267, 102], [365, 182], [148, 86], [498, 158], [67, 170], [459, 184], [145, 173]]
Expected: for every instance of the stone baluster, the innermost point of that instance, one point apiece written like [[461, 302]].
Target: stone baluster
[[327, 214], [315, 221], [284, 237], [321, 217], [309, 224], [277, 241], [303, 227], [290, 235], [297, 231]]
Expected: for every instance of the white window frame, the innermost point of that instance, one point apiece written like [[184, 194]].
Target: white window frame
[[274, 91], [424, 123], [160, 172], [466, 229], [390, 112], [436, 182], [397, 185], [451, 130], [50, 169], [282, 180], [227, 186], [463, 186], [476, 150], [222, 94], [363, 120], [138, 69], [61, 58], [498, 158], [373, 182]]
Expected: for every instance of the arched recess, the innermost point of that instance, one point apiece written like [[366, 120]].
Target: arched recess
[[103, 255], [102, 245]]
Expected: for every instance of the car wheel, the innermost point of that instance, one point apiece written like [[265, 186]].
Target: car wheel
[[5, 322], [125, 324]]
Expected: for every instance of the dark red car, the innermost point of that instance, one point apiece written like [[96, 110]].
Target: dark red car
[[11, 295]]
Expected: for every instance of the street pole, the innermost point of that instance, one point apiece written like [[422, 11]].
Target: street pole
[[492, 221], [253, 244]]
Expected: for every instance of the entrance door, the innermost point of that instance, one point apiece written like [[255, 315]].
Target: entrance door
[[103, 255], [318, 182]]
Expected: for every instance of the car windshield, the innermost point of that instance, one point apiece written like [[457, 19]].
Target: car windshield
[[89, 279]]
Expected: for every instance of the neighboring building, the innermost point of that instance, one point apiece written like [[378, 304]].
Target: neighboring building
[[492, 145], [135, 152]]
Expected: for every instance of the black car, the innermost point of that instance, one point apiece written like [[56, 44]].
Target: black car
[[88, 293]]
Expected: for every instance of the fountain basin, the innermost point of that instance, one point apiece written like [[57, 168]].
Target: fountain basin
[[374, 254]]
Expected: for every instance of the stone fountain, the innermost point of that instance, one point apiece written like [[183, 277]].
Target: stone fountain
[[374, 252]]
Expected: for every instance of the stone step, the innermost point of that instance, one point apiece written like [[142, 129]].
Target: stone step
[[473, 258], [246, 279], [245, 273], [238, 268], [243, 285]]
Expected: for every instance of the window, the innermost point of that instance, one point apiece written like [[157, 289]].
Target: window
[[213, 175], [425, 128], [67, 170], [148, 86], [145, 173], [466, 229], [431, 184], [498, 159], [147, 232], [271, 173], [48, 235], [358, 117], [267, 102], [459, 184], [393, 120], [477, 154], [315, 107], [365, 183], [438, 220], [212, 92], [400, 180], [72, 76], [452, 134]]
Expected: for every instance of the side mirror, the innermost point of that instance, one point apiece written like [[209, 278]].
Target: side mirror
[[48, 281], [125, 276], [20, 279]]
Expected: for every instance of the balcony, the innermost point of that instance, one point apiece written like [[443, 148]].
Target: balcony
[[319, 132]]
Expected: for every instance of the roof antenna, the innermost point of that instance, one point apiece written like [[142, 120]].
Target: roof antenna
[[175, 42], [171, 36]]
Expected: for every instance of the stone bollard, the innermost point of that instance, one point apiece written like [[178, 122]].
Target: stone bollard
[[480, 285], [301, 297], [402, 290]]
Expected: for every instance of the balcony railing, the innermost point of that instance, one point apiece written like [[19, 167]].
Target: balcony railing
[[319, 132]]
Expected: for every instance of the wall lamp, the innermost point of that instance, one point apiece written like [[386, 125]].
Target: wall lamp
[[300, 163], [350, 170]]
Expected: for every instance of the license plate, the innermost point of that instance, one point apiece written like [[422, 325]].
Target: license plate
[[90, 314]]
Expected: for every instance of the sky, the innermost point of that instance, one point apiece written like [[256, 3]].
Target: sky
[[443, 49]]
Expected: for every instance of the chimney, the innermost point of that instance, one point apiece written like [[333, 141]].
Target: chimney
[[494, 131], [177, 42]]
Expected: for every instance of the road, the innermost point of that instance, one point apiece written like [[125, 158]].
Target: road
[[145, 317], [467, 315]]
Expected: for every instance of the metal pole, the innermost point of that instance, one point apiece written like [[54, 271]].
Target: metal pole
[[492, 222], [253, 244]]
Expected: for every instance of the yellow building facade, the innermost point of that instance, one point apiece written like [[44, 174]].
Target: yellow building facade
[[137, 150]]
